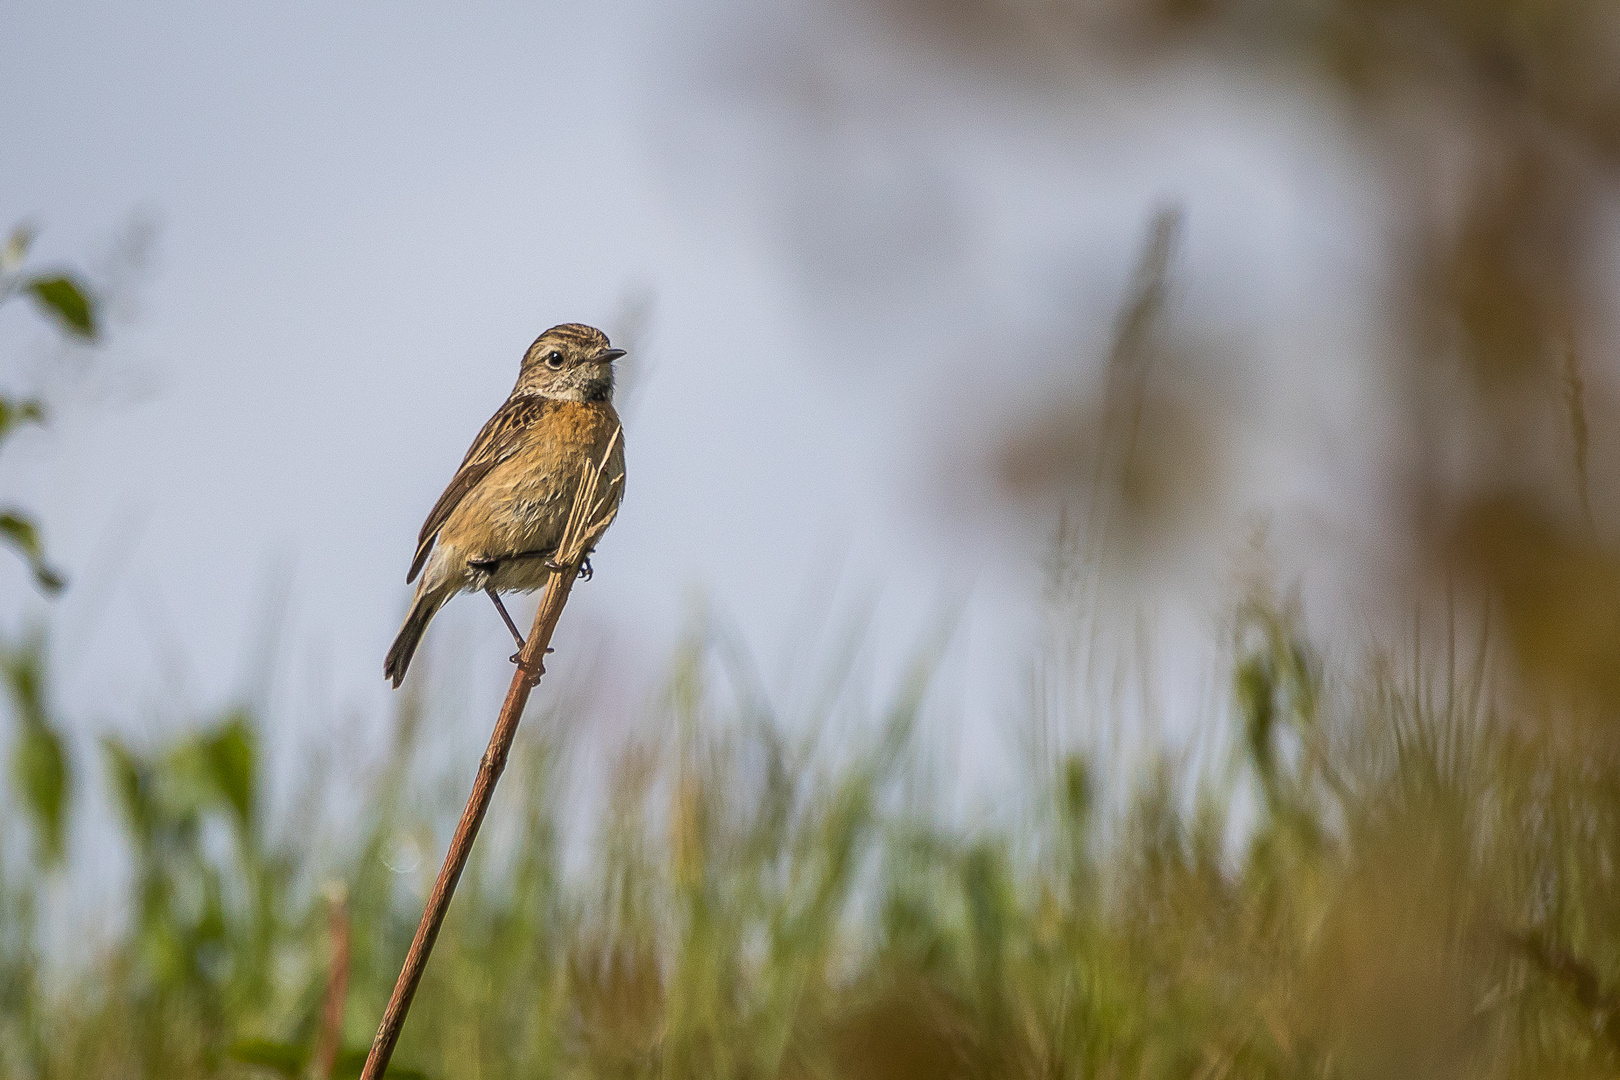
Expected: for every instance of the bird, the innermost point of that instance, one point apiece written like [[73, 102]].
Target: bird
[[498, 523]]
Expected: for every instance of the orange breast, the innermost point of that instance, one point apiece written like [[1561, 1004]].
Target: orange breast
[[524, 502]]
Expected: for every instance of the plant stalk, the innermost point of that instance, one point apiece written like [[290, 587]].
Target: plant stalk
[[593, 511], [530, 668]]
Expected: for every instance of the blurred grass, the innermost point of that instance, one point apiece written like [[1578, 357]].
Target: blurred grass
[[1391, 876]]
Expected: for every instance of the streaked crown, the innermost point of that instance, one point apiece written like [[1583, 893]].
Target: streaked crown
[[570, 361], [571, 338]]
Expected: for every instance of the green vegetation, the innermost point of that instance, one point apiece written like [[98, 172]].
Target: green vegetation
[[1423, 886], [63, 298]]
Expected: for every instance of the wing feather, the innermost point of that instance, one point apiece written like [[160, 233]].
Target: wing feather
[[499, 440]]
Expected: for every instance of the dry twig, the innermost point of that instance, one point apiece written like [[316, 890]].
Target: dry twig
[[330, 1040], [592, 512]]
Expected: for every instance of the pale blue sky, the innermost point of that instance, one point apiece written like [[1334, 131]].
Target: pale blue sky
[[367, 211]]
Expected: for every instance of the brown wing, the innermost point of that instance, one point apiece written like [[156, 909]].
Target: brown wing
[[499, 440]]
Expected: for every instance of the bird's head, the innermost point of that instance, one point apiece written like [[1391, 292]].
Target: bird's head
[[572, 361]]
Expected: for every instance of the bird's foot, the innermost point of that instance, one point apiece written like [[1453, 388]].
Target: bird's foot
[[584, 569], [534, 673]]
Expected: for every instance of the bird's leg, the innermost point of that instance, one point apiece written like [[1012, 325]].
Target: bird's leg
[[507, 619], [517, 657]]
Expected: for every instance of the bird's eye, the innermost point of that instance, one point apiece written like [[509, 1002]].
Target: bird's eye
[[554, 359]]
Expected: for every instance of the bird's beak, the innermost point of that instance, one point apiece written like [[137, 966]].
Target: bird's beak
[[611, 355]]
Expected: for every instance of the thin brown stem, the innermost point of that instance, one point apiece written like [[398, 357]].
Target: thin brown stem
[[590, 518], [337, 987], [1575, 398], [530, 668]]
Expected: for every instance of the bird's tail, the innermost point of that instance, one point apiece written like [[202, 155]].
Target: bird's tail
[[423, 609]]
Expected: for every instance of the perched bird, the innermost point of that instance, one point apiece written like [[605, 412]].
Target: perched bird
[[497, 525]]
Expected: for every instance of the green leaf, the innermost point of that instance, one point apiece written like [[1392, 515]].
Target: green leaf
[[67, 300], [132, 783], [231, 751], [40, 765], [24, 670], [22, 534], [1078, 793], [16, 249], [284, 1058], [39, 762], [13, 413], [1256, 695]]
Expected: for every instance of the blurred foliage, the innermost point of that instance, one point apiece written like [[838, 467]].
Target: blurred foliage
[[1141, 455], [1487, 136], [67, 300], [23, 534], [39, 762], [61, 296], [40, 767], [1422, 889]]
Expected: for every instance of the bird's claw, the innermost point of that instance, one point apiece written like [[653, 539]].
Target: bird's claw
[[583, 570], [538, 670]]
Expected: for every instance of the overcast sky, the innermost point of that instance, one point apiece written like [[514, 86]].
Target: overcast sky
[[365, 212]]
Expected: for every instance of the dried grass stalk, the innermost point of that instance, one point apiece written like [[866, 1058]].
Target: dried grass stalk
[[592, 512]]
